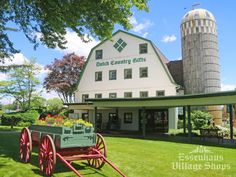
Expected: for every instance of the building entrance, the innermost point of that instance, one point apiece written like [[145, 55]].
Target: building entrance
[[157, 120]]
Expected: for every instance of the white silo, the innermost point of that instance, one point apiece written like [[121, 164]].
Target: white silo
[[201, 68]]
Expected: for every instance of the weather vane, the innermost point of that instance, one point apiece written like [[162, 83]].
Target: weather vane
[[195, 5]]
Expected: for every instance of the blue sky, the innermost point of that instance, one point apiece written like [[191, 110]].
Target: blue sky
[[161, 25]]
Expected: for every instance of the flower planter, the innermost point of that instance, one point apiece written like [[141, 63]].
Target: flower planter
[[65, 137]]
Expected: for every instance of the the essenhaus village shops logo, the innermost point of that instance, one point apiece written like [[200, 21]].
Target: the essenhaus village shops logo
[[200, 159], [120, 62]]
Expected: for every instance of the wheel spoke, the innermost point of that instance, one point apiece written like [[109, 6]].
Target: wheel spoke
[[93, 162], [101, 148], [98, 163], [99, 144]]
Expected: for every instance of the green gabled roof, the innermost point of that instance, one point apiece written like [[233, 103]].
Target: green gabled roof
[[157, 51]]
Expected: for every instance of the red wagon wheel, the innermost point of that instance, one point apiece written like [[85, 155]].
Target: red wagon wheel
[[47, 155], [25, 145], [102, 148]]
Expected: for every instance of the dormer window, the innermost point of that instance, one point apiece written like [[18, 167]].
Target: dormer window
[[143, 48], [98, 54]]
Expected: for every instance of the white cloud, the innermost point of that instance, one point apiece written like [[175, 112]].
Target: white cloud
[[133, 21], [140, 27], [17, 59], [75, 44], [168, 39], [48, 95], [226, 87], [145, 34]]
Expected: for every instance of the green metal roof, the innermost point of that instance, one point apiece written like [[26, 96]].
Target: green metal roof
[[217, 98]]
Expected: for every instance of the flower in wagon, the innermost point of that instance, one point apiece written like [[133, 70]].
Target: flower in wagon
[[79, 121], [68, 123], [83, 122], [88, 124], [40, 122], [61, 121], [58, 120]]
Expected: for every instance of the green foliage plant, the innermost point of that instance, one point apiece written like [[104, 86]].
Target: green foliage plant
[[200, 119]]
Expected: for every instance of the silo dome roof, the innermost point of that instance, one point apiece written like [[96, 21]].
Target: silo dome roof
[[198, 14]]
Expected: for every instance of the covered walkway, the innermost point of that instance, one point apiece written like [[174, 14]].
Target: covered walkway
[[185, 101]]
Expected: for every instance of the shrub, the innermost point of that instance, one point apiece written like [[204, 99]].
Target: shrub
[[20, 118], [65, 112], [180, 124], [24, 124], [200, 119]]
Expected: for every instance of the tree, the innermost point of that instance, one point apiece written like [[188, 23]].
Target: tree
[[7, 68], [64, 76], [21, 84], [38, 102], [200, 119], [48, 21], [54, 105], [12, 106]]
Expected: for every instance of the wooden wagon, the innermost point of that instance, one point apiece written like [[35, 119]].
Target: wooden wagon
[[65, 143]]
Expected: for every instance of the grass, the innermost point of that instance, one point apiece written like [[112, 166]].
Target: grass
[[8, 128], [135, 157]]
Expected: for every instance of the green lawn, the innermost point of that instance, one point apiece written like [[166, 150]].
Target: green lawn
[[135, 157]]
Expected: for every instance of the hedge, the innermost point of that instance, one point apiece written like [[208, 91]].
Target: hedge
[[20, 118]]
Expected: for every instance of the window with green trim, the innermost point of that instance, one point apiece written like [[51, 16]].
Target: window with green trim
[[160, 93], [143, 72], [143, 48], [98, 76], [143, 94], [128, 118], [112, 75], [128, 94], [120, 45], [98, 95], [127, 73], [98, 54], [84, 97], [112, 95]]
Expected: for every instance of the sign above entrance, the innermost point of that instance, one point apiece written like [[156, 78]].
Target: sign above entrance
[[119, 62]]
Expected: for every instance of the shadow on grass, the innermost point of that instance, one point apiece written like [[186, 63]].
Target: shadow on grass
[[62, 168], [180, 138], [9, 148], [9, 145]]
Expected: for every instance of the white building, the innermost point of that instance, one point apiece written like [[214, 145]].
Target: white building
[[127, 66]]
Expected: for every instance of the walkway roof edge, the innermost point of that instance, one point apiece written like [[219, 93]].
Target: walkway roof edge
[[173, 97], [216, 98]]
